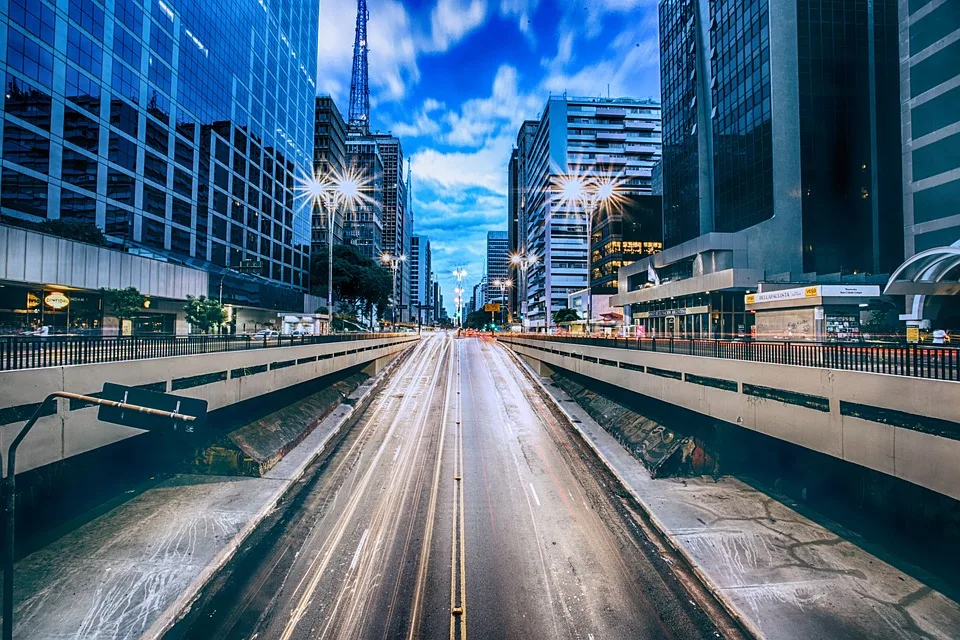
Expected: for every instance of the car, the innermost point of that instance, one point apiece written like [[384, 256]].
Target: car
[[265, 334], [300, 333]]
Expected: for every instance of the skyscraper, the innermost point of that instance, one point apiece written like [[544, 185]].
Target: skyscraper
[[498, 265], [518, 182], [420, 280], [363, 220], [600, 136], [176, 130], [396, 225], [329, 161], [780, 156]]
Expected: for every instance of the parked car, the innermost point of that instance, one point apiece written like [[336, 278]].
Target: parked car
[[266, 334]]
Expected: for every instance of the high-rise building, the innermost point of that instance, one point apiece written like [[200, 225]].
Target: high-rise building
[[363, 220], [930, 116], [420, 282], [517, 181], [498, 264], [626, 233], [177, 130], [329, 162], [780, 153], [596, 136], [396, 225]]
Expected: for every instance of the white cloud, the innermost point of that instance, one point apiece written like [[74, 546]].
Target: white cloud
[[423, 123], [451, 20]]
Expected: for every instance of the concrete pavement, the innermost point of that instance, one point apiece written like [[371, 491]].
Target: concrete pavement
[[781, 574]]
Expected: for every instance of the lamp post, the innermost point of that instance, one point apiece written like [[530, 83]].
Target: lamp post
[[329, 191], [523, 261], [589, 193], [394, 262], [503, 285], [459, 273]]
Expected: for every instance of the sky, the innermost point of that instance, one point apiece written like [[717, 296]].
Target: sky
[[454, 79]]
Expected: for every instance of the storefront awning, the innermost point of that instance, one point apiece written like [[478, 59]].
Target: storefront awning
[[934, 272]]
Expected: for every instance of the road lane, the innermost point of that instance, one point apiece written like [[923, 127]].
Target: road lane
[[457, 506]]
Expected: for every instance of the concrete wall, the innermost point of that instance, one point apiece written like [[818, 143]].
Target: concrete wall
[[68, 433], [28, 256], [911, 454]]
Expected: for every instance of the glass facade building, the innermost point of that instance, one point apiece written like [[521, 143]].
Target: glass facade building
[[178, 127]]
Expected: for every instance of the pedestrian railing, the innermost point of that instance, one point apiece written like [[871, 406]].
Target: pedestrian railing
[[938, 362], [23, 352]]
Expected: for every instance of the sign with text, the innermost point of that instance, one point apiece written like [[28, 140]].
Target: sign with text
[[491, 307]]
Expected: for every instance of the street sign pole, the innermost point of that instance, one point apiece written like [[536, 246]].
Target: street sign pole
[[131, 414]]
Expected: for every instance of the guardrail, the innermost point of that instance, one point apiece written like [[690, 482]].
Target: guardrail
[[19, 352], [938, 362]]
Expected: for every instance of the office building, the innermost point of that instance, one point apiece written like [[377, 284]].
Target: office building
[[329, 163], [420, 280], [178, 130], [363, 220], [589, 136], [626, 233], [396, 225], [780, 156], [497, 264], [517, 181], [478, 298], [930, 114]]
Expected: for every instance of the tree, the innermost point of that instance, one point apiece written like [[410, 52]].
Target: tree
[[74, 230], [477, 320], [125, 303], [562, 316], [204, 313], [358, 281]]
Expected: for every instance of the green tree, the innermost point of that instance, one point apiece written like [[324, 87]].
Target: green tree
[[477, 320], [204, 313], [123, 303], [561, 316], [358, 281], [74, 230]]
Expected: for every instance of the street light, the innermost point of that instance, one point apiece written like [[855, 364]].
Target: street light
[[589, 192], [503, 284], [328, 191], [459, 273], [394, 262], [524, 261]]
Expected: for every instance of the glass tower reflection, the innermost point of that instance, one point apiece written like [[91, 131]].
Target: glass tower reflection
[[177, 127]]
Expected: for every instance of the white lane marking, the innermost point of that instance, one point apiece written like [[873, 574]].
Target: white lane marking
[[589, 636], [356, 555], [534, 492], [396, 453]]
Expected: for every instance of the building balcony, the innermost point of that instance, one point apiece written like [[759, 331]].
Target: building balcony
[[612, 136], [609, 112]]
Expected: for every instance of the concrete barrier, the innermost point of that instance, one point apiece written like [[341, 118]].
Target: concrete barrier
[[221, 379], [905, 427]]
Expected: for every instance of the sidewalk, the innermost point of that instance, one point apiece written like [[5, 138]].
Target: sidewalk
[[132, 571], [781, 574]]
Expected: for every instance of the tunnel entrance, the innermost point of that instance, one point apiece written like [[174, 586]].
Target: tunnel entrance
[[907, 525]]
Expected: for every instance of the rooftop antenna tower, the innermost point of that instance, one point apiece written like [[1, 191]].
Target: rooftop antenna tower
[[359, 82]]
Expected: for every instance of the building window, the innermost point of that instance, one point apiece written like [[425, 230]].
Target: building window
[[36, 17], [79, 169], [122, 151], [125, 81], [23, 193], [82, 90], [154, 201], [80, 130], [26, 148], [119, 222], [124, 117], [181, 212], [127, 46], [29, 57], [154, 168], [157, 137], [130, 15], [88, 15], [84, 51], [77, 207], [152, 232], [121, 187]]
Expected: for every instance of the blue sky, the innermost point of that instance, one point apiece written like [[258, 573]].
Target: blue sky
[[455, 78]]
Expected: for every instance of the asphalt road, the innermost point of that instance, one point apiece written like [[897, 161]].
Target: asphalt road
[[459, 505]]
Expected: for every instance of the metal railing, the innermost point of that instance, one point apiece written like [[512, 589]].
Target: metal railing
[[21, 352], [938, 362]]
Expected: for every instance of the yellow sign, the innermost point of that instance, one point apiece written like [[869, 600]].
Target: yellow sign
[[811, 292], [751, 298], [56, 300], [913, 334], [491, 307], [33, 300]]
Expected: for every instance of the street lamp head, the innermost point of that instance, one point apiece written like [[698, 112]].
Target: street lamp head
[[515, 258], [385, 257], [508, 283]]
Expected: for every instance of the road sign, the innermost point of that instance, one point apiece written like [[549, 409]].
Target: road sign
[[913, 334], [152, 400], [491, 307]]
